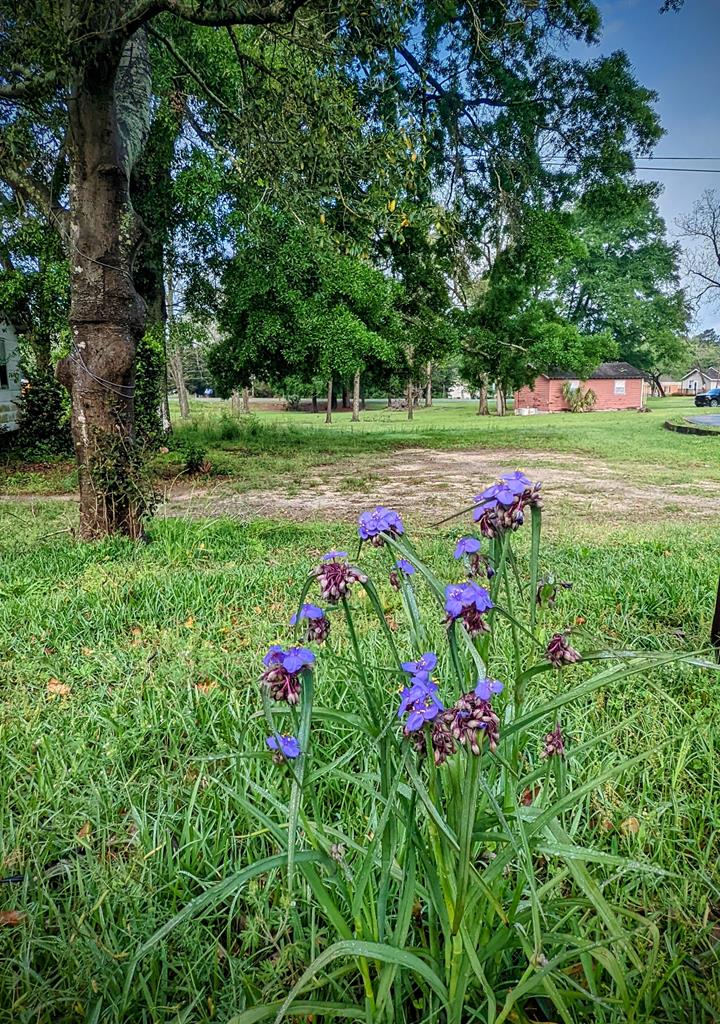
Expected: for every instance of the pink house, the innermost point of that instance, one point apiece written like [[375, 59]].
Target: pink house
[[616, 386]]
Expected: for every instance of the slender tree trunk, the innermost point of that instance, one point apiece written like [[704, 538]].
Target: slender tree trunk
[[344, 396], [483, 399], [428, 387], [328, 413], [107, 317], [178, 378], [314, 402], [246, 400], [500, 399], [235, 403], [356, 398], [410, 397], [389, 402]]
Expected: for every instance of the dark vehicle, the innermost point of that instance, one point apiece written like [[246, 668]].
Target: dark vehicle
[[711, 397]]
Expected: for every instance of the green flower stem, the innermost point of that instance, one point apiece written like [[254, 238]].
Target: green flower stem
[[468, 804], [369, 696]]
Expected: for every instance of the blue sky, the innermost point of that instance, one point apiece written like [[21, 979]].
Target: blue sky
[[677, 55]]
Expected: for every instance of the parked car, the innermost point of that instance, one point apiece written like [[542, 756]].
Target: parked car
[[711, 397]]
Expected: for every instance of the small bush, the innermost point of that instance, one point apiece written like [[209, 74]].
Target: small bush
[[44, 419]]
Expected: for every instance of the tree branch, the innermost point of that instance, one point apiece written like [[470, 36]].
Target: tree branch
[[218, 14]]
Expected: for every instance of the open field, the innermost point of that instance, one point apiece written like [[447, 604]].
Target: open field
[[131, 730]]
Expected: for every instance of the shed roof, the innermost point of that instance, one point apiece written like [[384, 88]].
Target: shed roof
[[605, 371]]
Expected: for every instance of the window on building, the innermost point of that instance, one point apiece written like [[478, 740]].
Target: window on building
[[4, 383], [619, 387]]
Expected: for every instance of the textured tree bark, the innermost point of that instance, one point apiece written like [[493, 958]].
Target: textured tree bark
[[356, 398], [483, 399], [500, 400], [410, 397], [235, 403], [178, 378], [107, 315], [246, 400], [328, 413], [428, 387]]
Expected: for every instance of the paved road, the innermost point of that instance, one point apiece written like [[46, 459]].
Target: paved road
[[711, 420]]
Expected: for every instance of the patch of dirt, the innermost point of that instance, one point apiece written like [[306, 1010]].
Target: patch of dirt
[[426, 485]]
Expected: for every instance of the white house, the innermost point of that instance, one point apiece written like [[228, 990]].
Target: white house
[[697, 380], [10, 383]]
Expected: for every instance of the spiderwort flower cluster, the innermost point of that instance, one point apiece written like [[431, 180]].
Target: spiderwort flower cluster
[[283, 669], [559, 652], [469, 602], [335, 577], [286, 748], [402, 568], [502, 506], [373, 526], [467, 722], [317, 623], [468, 548]]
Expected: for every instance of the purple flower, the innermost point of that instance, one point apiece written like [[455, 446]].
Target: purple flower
[[475, 596], [466, 546], [334, 556], [308, 611], [274, 655], [381, 520], [559, 652], [422, 667], [286, 747], [501, 506], [298, 658], [318, 626], [454, 599], [553, 744], [468, 601], [420, 702], [402, 567], [281, 675], [336, 579], [486, 688], [419, 690]]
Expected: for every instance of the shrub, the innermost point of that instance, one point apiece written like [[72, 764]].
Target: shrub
[[44, 418], [579, 401]]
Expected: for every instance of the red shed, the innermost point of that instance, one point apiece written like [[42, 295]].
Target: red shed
[[616, 386]]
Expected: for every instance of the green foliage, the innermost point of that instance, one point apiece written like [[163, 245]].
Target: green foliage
[[44, 418], [295, 311], [150, 386]]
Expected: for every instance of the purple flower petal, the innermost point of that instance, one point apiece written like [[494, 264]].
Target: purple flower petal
[[466, 546]]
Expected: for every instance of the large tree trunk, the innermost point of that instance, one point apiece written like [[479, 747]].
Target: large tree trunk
[[410, 397], [107, 316], [328, 414], [356, 398], [428, 387], [483, 399]]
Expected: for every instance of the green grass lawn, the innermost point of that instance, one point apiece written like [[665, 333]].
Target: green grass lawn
[[258, 451], [132, 731]]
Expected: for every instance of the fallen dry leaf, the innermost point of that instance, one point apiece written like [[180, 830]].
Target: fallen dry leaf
[[84, 831], [206, 686], [86, 652], [630, 827], [189, 622], [11, 917], [57, 689]]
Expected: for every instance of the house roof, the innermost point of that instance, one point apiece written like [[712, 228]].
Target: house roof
[[605, 371], [710, 374]]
